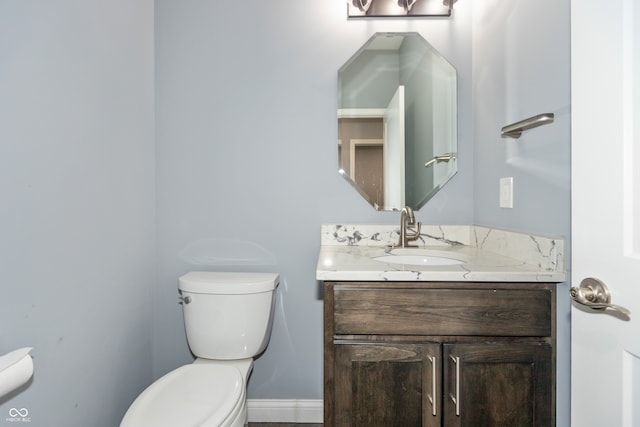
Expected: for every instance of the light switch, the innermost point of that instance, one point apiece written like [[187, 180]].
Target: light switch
[[506, 192]]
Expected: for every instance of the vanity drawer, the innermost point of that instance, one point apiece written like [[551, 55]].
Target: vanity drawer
[[480, 312]]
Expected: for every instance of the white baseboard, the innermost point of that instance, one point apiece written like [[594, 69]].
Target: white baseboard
[[285, 411]]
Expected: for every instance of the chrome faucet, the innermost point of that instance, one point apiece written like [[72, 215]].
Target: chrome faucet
[[408, 219]]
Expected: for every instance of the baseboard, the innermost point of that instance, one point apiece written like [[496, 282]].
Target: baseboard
[[285, 411]]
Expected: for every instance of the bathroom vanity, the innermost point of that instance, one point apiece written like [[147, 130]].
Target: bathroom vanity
[[464, 336]]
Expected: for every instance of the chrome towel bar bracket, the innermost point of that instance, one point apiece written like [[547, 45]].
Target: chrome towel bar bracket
[[515, 130]]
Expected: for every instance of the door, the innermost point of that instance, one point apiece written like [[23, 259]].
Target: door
[[367, 169], [393, 122], [498, 385], [387, 384], [605, 55]]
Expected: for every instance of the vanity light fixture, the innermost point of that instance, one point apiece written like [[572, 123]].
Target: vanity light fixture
[[362, 5], [398, 8]]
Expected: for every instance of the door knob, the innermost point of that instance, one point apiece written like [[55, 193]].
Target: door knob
[[594, 294]]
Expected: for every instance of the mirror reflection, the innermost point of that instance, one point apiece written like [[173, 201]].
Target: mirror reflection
[[397, 123]]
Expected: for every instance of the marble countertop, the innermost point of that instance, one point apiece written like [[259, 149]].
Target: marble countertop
[[347, 252]]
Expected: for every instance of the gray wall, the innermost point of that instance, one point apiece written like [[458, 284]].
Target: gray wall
[[521, 68], [370, 80], [77, 204]]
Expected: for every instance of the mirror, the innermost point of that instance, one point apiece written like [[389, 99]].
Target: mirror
[[397, 121]]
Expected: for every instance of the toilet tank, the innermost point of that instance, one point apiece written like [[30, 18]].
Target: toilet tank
[[228, 315]]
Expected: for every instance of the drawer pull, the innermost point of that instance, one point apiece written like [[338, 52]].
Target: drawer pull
[[434, 390], [456, 399]]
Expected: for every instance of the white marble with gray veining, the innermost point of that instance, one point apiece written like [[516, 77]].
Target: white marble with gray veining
[[488, 254]]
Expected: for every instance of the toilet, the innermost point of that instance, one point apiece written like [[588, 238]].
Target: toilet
[[228, 318]]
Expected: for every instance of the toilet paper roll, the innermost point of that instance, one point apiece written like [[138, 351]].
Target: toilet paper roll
[[15, 370]]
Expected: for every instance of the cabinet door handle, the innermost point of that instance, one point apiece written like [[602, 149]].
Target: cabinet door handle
[[456, 399], [434, 390]]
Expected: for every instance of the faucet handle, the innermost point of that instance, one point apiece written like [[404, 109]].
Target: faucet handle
[[416, 234]]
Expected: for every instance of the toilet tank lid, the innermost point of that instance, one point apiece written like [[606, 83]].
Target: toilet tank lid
[[229, 283]]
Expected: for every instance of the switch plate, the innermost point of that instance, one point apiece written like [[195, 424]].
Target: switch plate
[[506, 192]]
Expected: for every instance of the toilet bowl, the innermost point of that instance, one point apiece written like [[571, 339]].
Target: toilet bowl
[[228, 319]]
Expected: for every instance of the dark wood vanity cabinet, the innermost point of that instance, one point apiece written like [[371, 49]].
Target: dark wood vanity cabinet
[[439, 354]]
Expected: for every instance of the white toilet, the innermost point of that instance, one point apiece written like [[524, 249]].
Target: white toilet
[[228, 319]]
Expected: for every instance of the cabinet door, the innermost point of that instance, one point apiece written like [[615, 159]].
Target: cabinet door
[[386, 384], [498, 385]]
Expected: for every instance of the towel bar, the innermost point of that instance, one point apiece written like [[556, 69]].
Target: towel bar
[[515, 130]]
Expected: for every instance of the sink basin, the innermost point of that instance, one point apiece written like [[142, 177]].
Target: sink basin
[[417, 256]]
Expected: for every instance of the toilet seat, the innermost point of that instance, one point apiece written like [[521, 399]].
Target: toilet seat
[[202, 395]]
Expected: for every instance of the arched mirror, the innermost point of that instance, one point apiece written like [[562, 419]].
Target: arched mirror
[[397, 121]]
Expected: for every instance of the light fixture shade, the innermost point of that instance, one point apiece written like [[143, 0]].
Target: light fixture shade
[[398, 8]]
